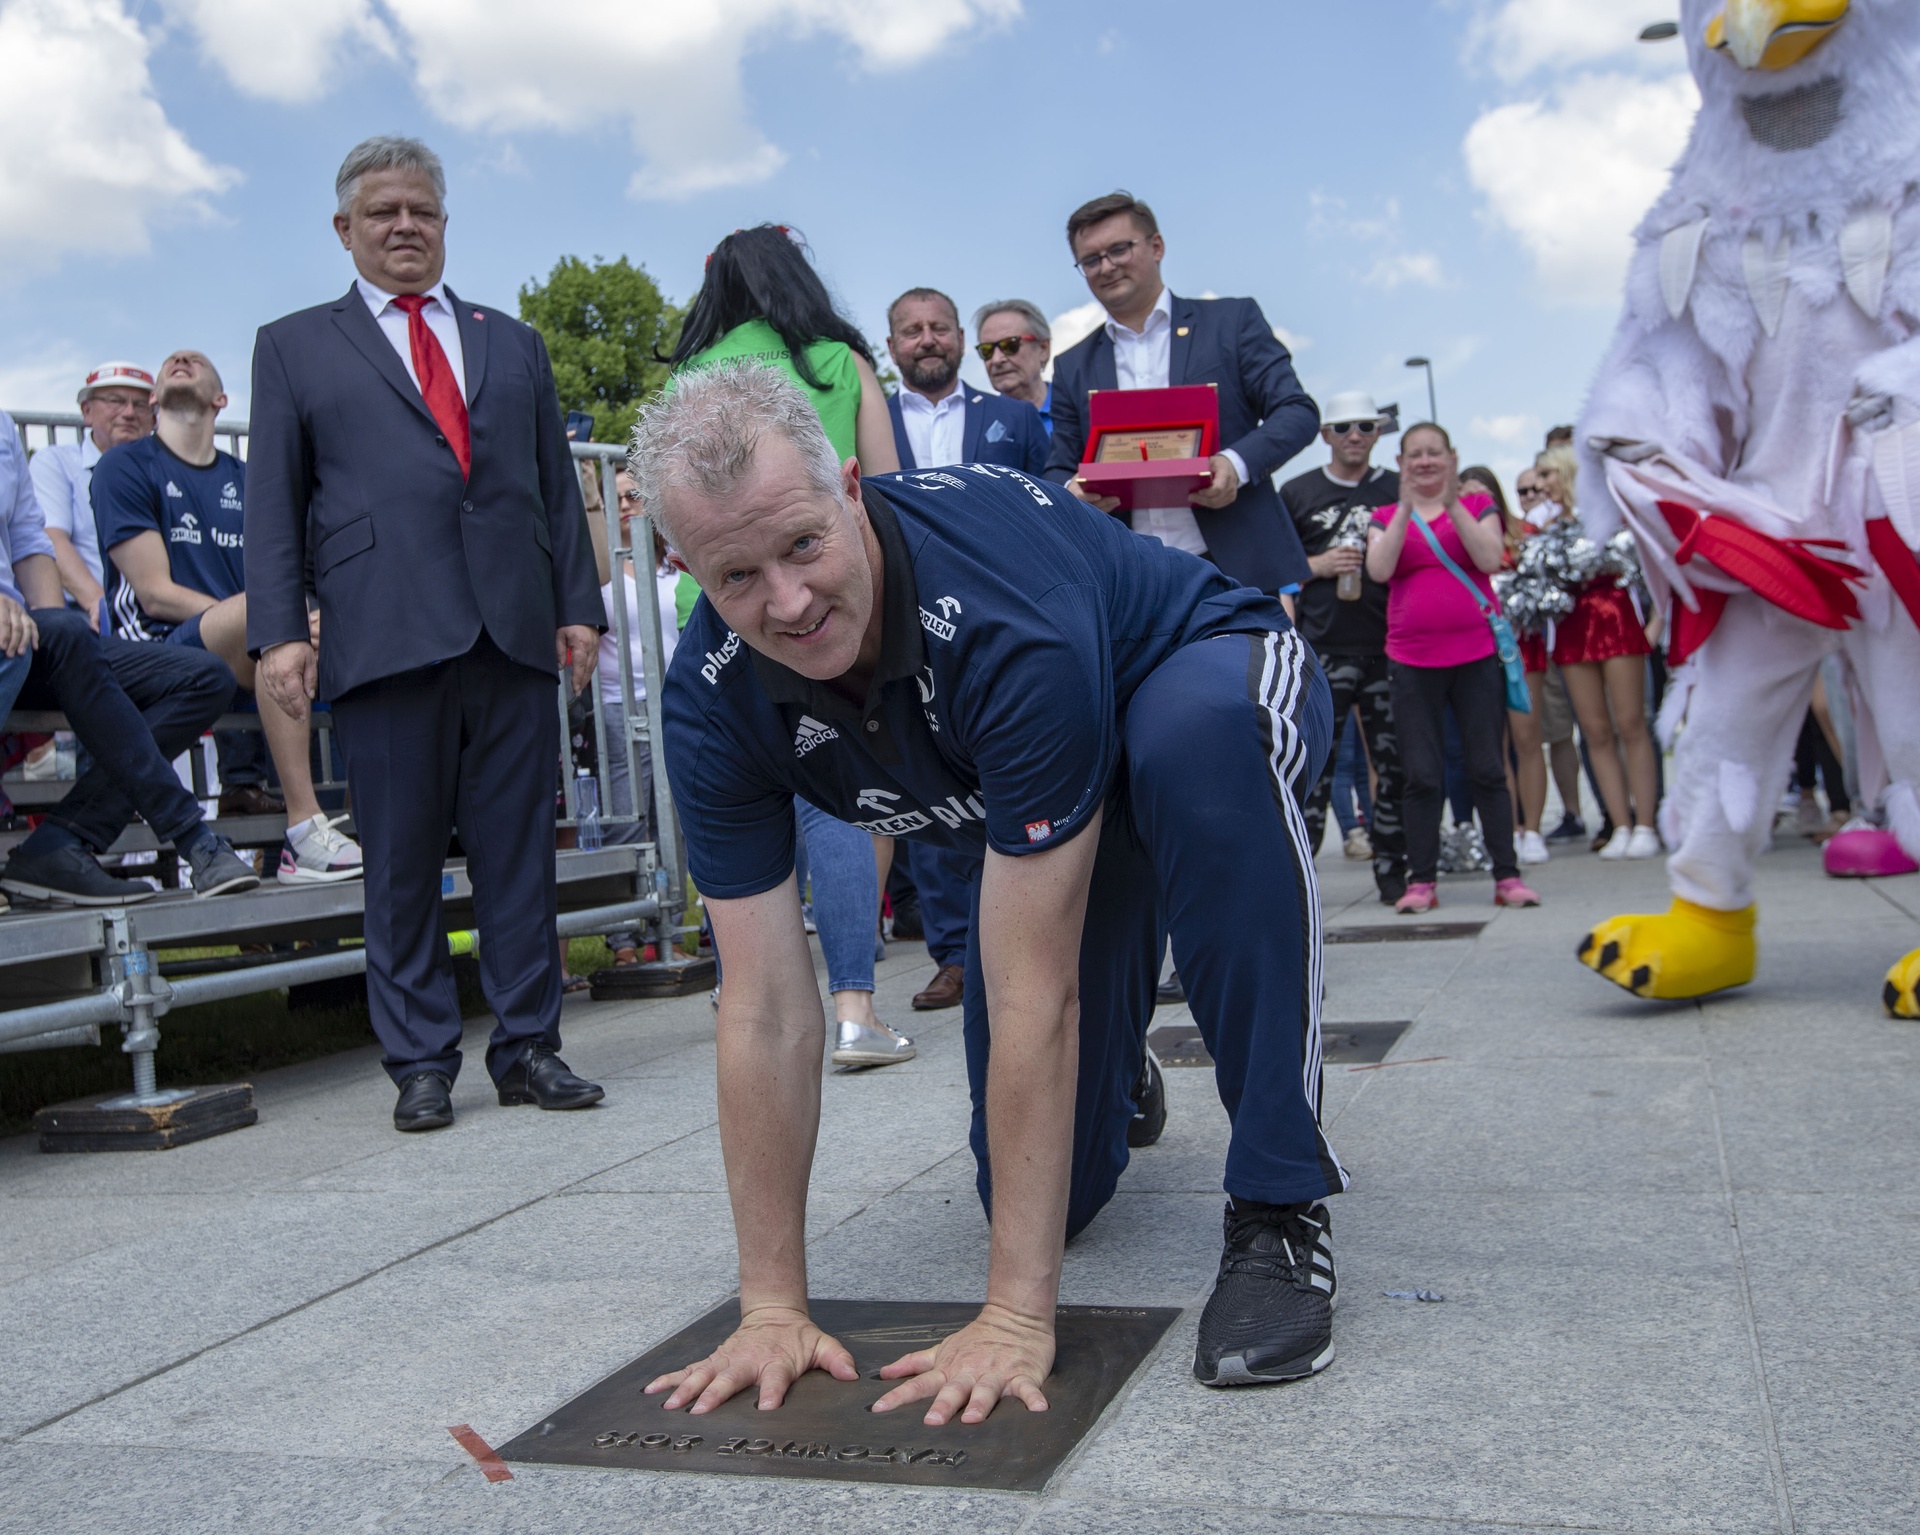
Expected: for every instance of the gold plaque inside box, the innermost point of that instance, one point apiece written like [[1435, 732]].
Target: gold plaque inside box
[[1126, 447]]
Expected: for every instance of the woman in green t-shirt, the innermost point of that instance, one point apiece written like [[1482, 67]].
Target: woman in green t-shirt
[[762, 301]]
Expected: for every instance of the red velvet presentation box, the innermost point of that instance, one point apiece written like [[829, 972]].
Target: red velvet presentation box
[[1150, 447]]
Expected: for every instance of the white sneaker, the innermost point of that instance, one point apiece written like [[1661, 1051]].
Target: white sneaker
[[1644, 843], [1358, 844], [859, 1044], [320, 855], [1619, 843], [1530, 847]]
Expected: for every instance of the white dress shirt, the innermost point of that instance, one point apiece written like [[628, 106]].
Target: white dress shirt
[[1143, 359], [666, 584], [63, 485], [439, 317], [935, 428]]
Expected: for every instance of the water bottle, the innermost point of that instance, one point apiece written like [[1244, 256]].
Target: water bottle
[[1347, 586], [586, 812]]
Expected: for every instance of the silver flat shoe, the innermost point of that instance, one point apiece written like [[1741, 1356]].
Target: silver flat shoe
[[859, 1045]]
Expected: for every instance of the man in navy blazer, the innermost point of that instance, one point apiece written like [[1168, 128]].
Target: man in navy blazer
[[409, 470], [926, 343], [1154, 339]]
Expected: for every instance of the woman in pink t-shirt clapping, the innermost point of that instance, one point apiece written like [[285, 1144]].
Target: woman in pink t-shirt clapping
[[1441, 654]]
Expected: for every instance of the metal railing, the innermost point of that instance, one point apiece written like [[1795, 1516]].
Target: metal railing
[[54, 422]]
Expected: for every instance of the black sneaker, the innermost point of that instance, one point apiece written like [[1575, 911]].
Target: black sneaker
[[1149, 1104], [1270, 1317], [1570, 829], [67, 875], [217, 869]]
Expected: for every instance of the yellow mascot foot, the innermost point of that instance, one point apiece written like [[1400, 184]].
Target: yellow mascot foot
[[1903, 983], [1687, 951]]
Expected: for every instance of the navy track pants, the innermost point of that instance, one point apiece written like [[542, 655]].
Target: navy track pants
[[1204, 839]]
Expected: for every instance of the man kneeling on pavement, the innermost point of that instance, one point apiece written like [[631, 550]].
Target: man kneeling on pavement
[[1123, 736], [134, 708]]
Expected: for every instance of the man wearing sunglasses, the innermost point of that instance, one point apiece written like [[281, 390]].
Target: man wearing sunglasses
[[1331, 508], [1015, 343], [1154, 339]]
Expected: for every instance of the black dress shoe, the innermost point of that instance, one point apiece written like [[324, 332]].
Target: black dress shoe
[[426, 1102], [1149, 1104], [542, 1078], [1169, 993]]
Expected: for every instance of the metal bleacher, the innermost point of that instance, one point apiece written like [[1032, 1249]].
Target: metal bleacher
[[65, 972]]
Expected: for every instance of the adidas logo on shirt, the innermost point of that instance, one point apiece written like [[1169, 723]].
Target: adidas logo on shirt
[[812, 733], [175, 491]]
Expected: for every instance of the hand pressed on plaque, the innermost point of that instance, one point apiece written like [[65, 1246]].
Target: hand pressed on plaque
[[998, 1354], [1077, 488], [1222, 488], [773, 1346]]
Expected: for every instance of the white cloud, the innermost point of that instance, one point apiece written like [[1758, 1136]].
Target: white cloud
[[1517, 37], [1075, 325], [670, 71], [88, 160], [1571, 174], [1506, 429], [284, 52], [1391, 272], [45, 381], [1292, 340]]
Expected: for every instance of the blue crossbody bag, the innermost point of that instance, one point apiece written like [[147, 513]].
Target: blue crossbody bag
[[1504, 645]]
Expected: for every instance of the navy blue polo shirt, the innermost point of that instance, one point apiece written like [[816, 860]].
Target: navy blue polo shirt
[[1018, 623], [198, 510]]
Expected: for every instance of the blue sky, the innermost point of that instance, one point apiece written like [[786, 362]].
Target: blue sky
[[1387, 177]]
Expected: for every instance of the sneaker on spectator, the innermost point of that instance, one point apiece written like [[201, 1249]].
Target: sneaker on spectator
[[1570, 829], [1514, 892], [1617, 845], [1530, 847], [1358, 844], [1449, 862], [66, 874], [217, 869], [1420, 897], [1473, 855], [1644, 843], [313, 853]]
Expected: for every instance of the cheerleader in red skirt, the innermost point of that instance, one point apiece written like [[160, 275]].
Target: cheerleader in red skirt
[[1601, 648]]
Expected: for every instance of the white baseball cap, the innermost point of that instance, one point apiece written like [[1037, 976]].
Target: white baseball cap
[[111, 375], [1351, 406]]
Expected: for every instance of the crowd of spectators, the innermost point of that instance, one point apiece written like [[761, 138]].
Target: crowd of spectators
[[1390, 576]]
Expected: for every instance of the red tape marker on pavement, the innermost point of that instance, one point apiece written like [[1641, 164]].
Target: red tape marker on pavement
[[492, 1467]]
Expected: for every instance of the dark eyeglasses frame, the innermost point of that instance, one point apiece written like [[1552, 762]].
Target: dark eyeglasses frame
[[1119, 255], [1365, 428], [1006, 346]]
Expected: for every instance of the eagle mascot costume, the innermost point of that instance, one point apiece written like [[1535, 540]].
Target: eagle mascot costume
[[1757, 424]]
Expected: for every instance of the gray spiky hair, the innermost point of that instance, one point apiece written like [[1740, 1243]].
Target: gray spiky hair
[[702, 434]]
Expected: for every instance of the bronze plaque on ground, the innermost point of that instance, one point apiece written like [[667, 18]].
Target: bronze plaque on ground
[[825, 1429]]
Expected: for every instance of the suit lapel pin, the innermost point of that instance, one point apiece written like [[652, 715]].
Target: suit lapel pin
[[1181, 331], [479, 316]]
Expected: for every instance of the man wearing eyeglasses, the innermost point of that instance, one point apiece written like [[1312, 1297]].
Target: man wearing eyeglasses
[[1015, 343], [116, 403], [1154, 339], [1343, 615], [937, 420]]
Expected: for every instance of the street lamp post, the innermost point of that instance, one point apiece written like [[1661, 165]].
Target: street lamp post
[[1433, 410]]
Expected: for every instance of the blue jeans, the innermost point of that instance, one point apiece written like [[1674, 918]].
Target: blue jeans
[[135, 707], [616, 798], [1350, 781], [846, 896]]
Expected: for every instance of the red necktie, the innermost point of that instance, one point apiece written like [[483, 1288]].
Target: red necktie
[[437, 383]]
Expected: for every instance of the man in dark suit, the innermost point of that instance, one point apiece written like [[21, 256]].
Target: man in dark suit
[[1153, 339], [408, 463], [937, 419]]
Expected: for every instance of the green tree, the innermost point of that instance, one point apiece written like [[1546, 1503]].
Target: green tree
[[602, 322]]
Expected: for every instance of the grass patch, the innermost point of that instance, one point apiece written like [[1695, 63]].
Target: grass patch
[[226, 1041]]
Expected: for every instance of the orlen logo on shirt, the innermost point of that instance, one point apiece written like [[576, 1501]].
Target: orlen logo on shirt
[[186, 530], [717, 659], [889, 825]]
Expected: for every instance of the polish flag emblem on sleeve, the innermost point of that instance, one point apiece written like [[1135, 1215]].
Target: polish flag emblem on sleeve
[[1039, 831]]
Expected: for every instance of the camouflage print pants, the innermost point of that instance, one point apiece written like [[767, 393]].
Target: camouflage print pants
[[1361, 682]]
